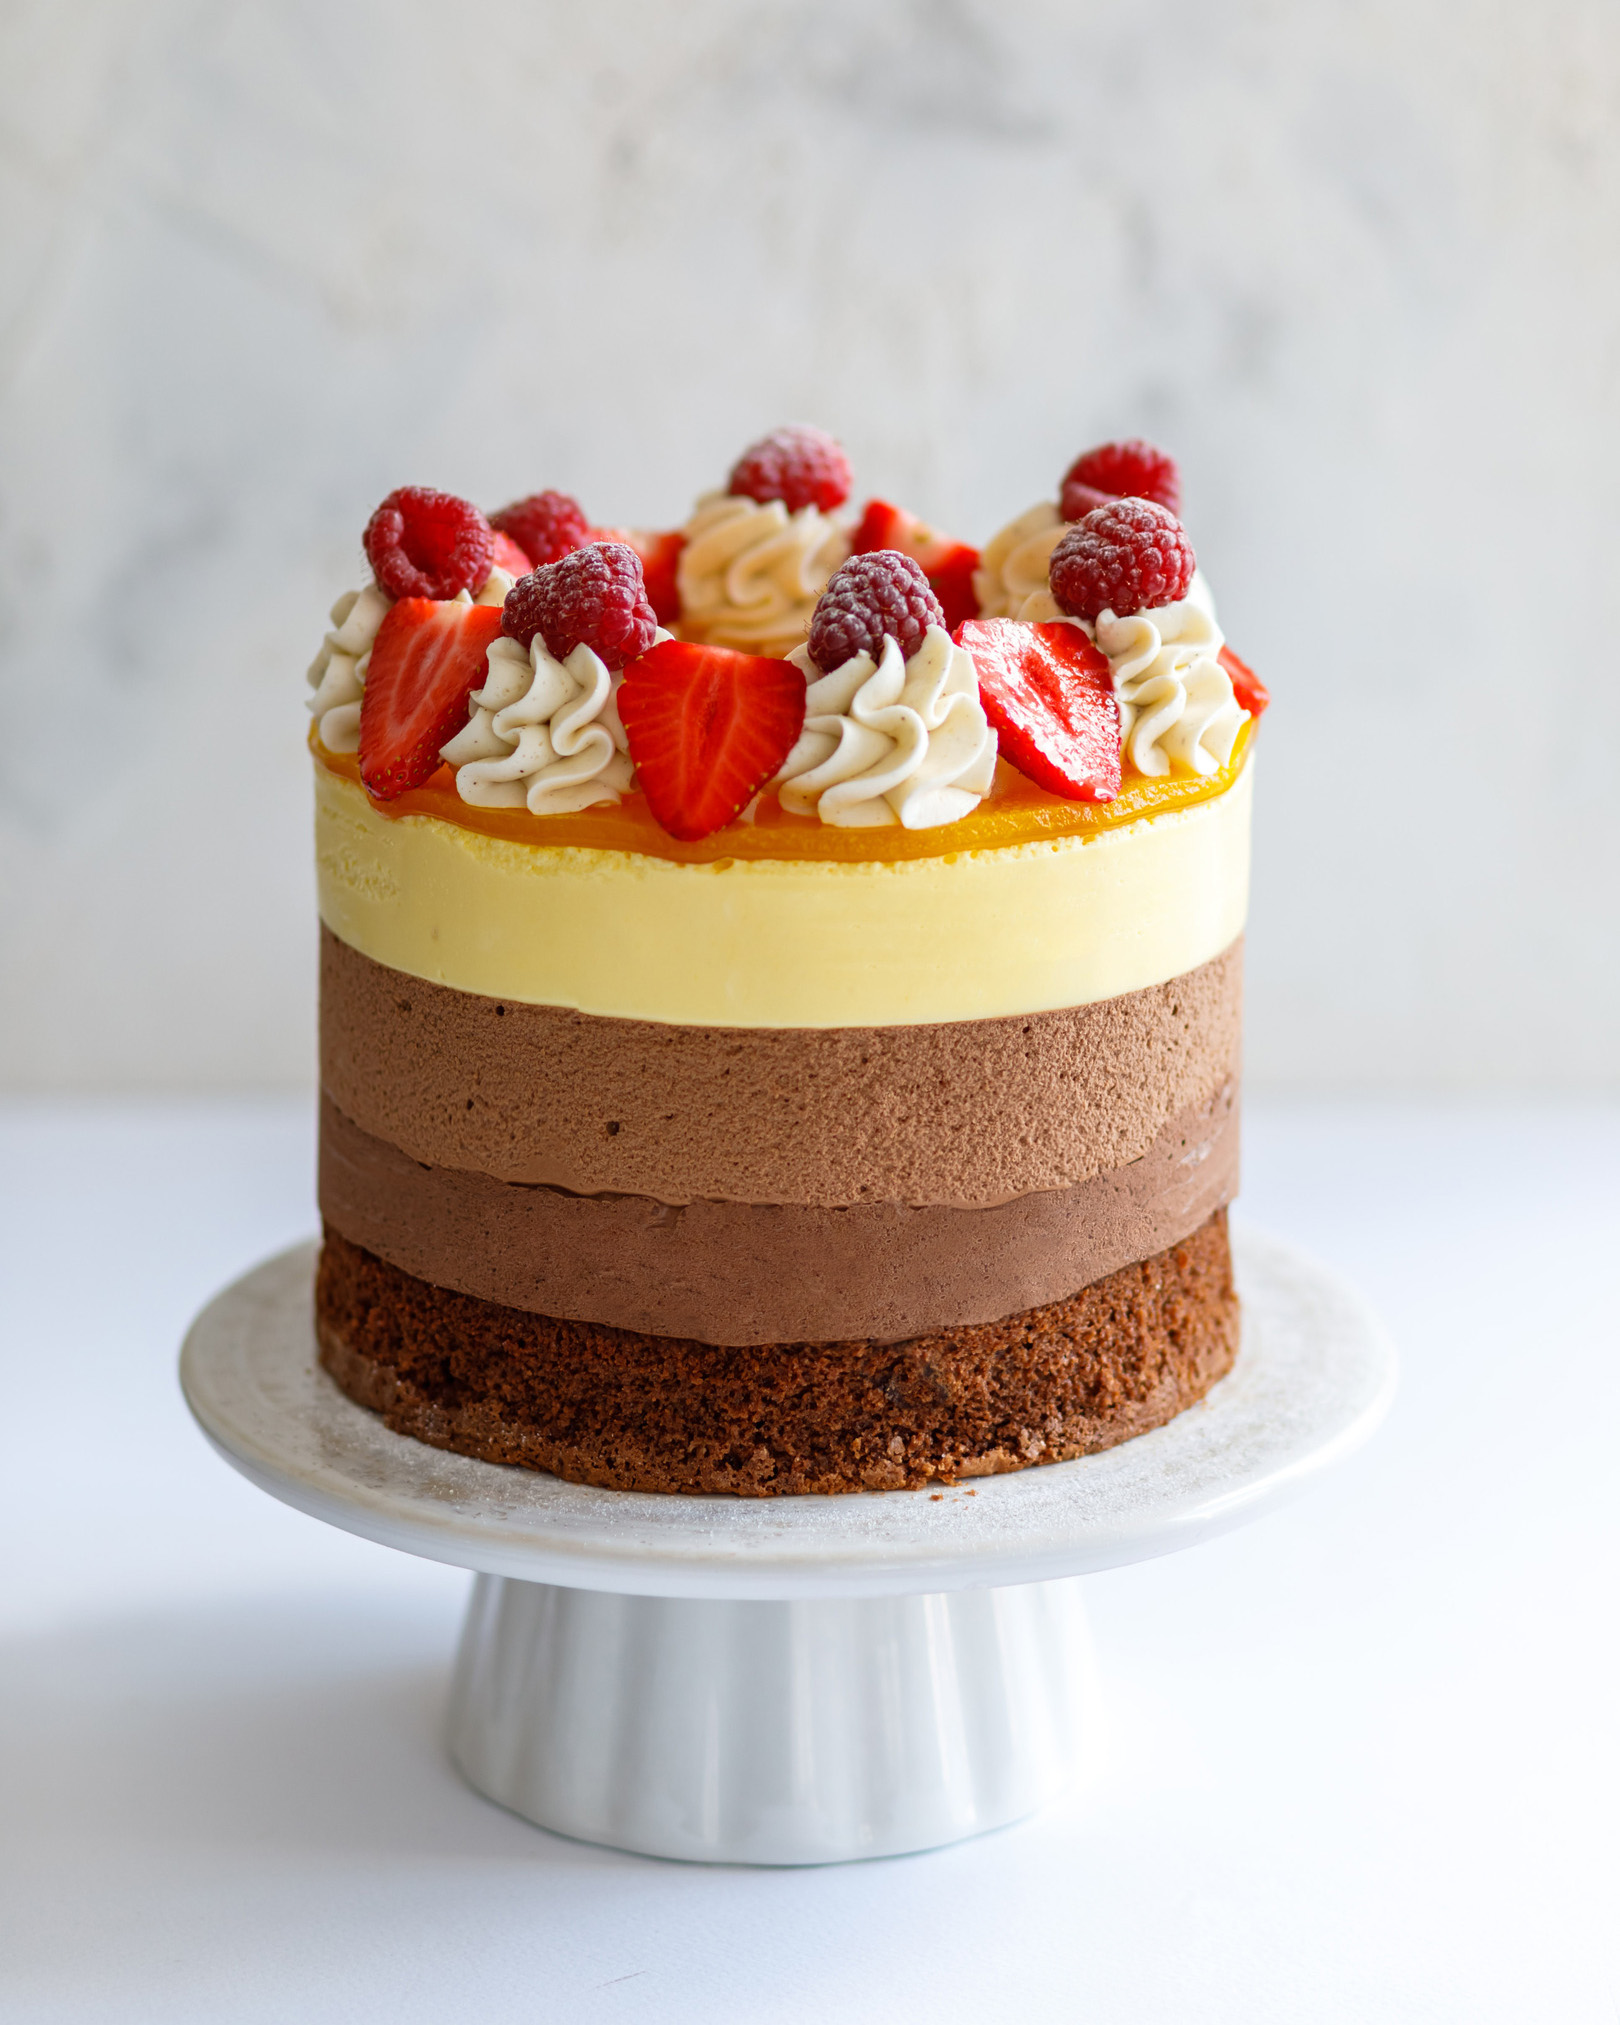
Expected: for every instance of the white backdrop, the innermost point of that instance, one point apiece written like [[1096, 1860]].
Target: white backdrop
[[1356, 265]]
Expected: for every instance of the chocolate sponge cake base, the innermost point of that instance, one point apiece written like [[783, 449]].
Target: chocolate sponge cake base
[[631, 1412]]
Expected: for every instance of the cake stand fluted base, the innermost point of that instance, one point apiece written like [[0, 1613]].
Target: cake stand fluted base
[[786, 1680], [771, 1732]]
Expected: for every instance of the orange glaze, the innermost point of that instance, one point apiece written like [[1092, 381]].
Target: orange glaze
[[1016, 811]]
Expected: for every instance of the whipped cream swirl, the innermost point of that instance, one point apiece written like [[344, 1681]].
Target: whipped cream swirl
[[1013, 567], [544, 734], [338, 673], [891, 741], [1176, 705], [750, 574]]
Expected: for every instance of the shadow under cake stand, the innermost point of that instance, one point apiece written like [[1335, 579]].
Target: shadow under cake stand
[[786, 1680]]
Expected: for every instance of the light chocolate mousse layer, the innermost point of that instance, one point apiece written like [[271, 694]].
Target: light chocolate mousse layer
[[970, 1113]]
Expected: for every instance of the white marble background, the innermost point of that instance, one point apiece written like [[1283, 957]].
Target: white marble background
[[1355, 264]]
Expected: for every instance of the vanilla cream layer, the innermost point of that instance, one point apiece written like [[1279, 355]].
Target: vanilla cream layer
[[786, 943]]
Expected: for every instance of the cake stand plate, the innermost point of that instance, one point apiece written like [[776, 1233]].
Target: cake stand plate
[[786, 1680]]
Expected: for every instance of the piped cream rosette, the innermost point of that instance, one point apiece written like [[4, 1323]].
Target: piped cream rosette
[[891, 741], [750, 574], [1014, 563], [338, 673], [544, 734]]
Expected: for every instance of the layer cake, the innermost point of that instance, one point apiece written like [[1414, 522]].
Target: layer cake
[[780, 982]]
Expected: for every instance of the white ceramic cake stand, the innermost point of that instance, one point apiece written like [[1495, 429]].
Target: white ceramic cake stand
[[786, 1680]]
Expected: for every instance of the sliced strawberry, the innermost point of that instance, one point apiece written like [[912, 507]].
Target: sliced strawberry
[[953, 584], [660, 557], [509, 557], [1049, 694], [707, 728], [948, 565], [1247, 687], [426, 659], [883, 526]]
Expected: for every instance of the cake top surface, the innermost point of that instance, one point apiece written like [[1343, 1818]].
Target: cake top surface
[[786, 676]]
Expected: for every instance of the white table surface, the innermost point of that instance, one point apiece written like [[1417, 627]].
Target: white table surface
[[1362, 1762]]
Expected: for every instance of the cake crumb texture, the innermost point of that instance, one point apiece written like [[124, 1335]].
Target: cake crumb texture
[[627, 1411]]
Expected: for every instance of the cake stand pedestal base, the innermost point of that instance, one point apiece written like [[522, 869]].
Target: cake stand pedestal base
[[786, 1680], [752, 1732]]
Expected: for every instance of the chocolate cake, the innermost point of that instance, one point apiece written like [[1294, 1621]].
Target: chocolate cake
[[781, 982]]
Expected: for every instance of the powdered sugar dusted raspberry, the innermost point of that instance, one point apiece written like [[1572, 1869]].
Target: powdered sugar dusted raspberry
[[1131, 470], [594, 594], [546, 526], [799, 465], [882, 593], [1128, 556], [426, 544]]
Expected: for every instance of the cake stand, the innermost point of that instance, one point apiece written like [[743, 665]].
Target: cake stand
[[786, 1680]]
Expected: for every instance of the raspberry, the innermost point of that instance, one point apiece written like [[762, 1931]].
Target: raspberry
[[1127, 556], [1133, 470], [593, 594], [1078, 500], [883, 592], [798, 465], [546, 526], [426, 544]]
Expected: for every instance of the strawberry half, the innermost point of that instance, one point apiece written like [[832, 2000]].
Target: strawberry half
[[1247, 687], [660, 558], [425, 661], [707, 728], [1048, 692], [509, 557], [948, 565]]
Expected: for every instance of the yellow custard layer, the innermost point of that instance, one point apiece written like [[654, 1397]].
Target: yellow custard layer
[[980, 925]]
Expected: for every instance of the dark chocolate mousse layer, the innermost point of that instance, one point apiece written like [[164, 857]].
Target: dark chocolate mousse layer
[[633, 1411], [753, 1273], [971, 1113]]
